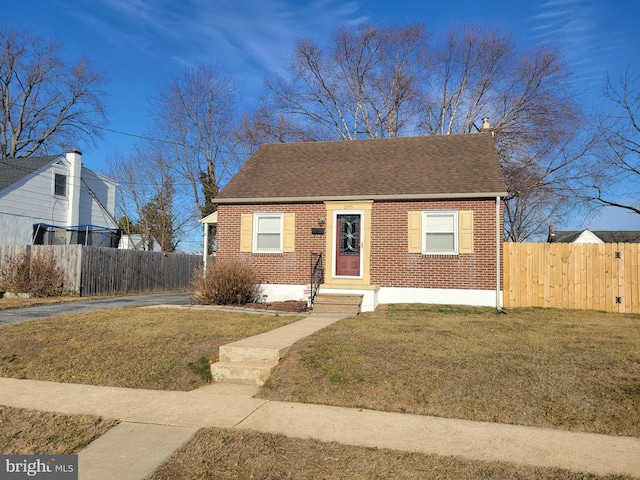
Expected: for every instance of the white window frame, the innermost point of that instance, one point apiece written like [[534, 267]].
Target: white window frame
[[456, 231], [256, 219], [53, 184]]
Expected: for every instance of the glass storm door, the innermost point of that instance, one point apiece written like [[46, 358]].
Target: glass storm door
[[348, 242]]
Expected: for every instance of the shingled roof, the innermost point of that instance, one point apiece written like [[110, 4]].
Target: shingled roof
[[13, 169], [452, 166], [607, 236]]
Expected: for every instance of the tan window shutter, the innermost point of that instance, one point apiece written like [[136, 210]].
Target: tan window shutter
[[415, 232], [246, 232], [289, 229], [465, 219]]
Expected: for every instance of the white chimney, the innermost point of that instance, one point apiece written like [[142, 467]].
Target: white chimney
[[74, 157]]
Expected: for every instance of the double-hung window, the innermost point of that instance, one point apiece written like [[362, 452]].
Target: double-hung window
[[59, 185], [267, 232], [440, 232]]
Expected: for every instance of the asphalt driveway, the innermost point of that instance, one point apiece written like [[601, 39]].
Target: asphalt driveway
[[33, 313]]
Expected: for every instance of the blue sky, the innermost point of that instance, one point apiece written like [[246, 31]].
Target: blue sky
[[142, 44]]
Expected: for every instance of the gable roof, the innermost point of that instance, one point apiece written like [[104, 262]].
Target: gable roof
[[14, 169], [451, 166], [607, 236]]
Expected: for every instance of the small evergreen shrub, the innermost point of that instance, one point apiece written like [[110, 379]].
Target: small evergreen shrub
[[37, 274], [229, 282]]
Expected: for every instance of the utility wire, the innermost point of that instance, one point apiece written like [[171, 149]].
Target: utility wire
[[142, 137]]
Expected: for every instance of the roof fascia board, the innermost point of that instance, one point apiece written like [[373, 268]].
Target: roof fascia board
[[435, 196]]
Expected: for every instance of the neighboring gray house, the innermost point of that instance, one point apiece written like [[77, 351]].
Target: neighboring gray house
[[595, 236], [54, 199]]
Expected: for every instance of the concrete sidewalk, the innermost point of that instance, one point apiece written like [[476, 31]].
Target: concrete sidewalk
[[158, 422]]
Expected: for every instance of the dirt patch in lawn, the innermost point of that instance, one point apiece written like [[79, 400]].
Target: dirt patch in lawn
[[24, 432]]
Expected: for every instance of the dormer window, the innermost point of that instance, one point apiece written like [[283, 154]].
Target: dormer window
[[60, 185]]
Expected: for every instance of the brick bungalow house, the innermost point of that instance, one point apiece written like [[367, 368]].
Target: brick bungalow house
[[397, 220]]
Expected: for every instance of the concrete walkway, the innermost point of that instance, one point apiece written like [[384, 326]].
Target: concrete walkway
[[156, 423]]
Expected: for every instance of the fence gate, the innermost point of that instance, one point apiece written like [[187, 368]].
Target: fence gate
[[573, 275]]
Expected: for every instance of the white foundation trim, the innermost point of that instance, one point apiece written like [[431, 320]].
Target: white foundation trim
[[477, 298], [384, 295], [281, 293]]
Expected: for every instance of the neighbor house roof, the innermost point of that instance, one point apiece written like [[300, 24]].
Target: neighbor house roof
[[606, 236], [451, 166], [13, 169]]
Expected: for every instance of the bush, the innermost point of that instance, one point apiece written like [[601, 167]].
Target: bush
[[228, 282], [37, 274]]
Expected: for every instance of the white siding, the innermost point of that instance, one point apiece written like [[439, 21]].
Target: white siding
[[28, 201], [32, 200], [587, 237], [15, 230], [104, 189]]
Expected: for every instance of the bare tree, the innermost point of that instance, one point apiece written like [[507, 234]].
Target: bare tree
[[376, 82], [536, 122], [363, 86], [47, 105], [147, 204], [613, 179], [268, 126], [197, 114]]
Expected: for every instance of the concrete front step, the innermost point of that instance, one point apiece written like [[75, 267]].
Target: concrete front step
[[246, 373], [337, 303], [250, 361], [336, 308], [237, 354]]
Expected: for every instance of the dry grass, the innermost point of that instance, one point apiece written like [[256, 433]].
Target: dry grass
[[572, 370], [136, 348], [232, 454], [565, 369], [24, 432]]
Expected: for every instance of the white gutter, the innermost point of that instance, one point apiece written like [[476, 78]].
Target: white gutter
[[346, 198]]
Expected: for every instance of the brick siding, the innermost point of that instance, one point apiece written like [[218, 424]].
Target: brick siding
[[391, 264]]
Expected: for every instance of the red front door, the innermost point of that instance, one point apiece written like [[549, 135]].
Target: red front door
[[348, 238]]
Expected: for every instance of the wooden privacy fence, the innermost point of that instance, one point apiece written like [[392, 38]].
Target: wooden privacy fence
[[108, 271], [572, 275]]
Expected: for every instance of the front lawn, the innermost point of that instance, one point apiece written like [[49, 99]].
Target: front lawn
[[126, 347], [562, 369], [567, 369]]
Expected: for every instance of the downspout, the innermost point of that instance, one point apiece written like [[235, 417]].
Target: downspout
[[498, 243]]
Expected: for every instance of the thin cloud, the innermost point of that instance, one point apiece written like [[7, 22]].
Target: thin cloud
[[241, 34]]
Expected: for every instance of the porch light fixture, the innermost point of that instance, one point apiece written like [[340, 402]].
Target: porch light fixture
[[321, 221]]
